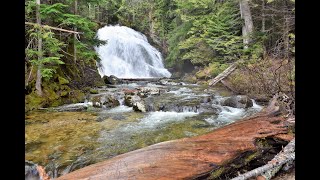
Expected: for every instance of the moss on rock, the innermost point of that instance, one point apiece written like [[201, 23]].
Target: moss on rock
[[62, 80], [93, 91]]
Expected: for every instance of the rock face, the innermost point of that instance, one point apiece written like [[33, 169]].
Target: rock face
[[240, 101], [111, 80], [189, 158]]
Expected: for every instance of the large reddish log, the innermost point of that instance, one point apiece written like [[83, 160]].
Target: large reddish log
[[186, 158]]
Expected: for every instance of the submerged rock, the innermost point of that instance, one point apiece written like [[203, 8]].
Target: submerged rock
[[118, 117], [240, 101], [30, 171], [71, 107]]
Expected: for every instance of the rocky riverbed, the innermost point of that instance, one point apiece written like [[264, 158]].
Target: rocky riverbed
[[126, 116]]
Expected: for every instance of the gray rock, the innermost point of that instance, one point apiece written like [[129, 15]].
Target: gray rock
[[111, 80], [240, 101], [30, 171], [145, 91], [107, 100], [139, 106], [129, 100]]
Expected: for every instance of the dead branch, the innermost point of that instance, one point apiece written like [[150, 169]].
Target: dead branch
[[54, 28], [285, 156]]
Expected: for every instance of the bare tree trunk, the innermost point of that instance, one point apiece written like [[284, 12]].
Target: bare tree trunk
[[263, 28], [247, 29], [286, 31], [39, 77], [98, 13], [89, 10], [75, 35], [151, 27]]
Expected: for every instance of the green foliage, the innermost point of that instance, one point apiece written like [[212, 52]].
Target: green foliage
[[58, 46], [178, 34], [50, 54], [212, 70], [214, 36]]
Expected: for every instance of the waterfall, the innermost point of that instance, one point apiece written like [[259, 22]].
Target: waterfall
[[128, 54]]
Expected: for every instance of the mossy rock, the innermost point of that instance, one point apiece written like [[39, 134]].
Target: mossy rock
[[77, 96], [190, 79], [93, 91], [99, 83], [62, 80], [33, 101], [201, 75], [64, 93]]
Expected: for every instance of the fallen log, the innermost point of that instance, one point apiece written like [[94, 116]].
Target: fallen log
[[273, 166]]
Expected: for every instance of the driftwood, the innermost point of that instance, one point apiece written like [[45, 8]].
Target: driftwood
[[287, 155], [54, 28]]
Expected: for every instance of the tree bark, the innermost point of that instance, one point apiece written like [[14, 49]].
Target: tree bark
[[247, 29], [39, 76]]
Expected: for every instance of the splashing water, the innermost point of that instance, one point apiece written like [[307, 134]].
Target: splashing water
[[128, 54]]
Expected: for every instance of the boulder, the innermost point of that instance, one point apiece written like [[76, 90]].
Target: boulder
[[111, 80], [130, 91], [240, 101], [130, 100], [145, 91], [107, 100], [139, 106], [206, 99], [209, 108], [168, 82]]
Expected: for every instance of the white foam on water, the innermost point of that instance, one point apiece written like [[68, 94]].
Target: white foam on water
[[120, 109], [159, 118]]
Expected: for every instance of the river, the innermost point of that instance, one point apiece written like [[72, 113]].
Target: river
[[63, 140]]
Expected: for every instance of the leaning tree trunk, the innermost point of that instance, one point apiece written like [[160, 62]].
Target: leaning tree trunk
[[247, 29], [39, 76]]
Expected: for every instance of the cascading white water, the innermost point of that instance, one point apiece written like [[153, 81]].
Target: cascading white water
[[128, 54]]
